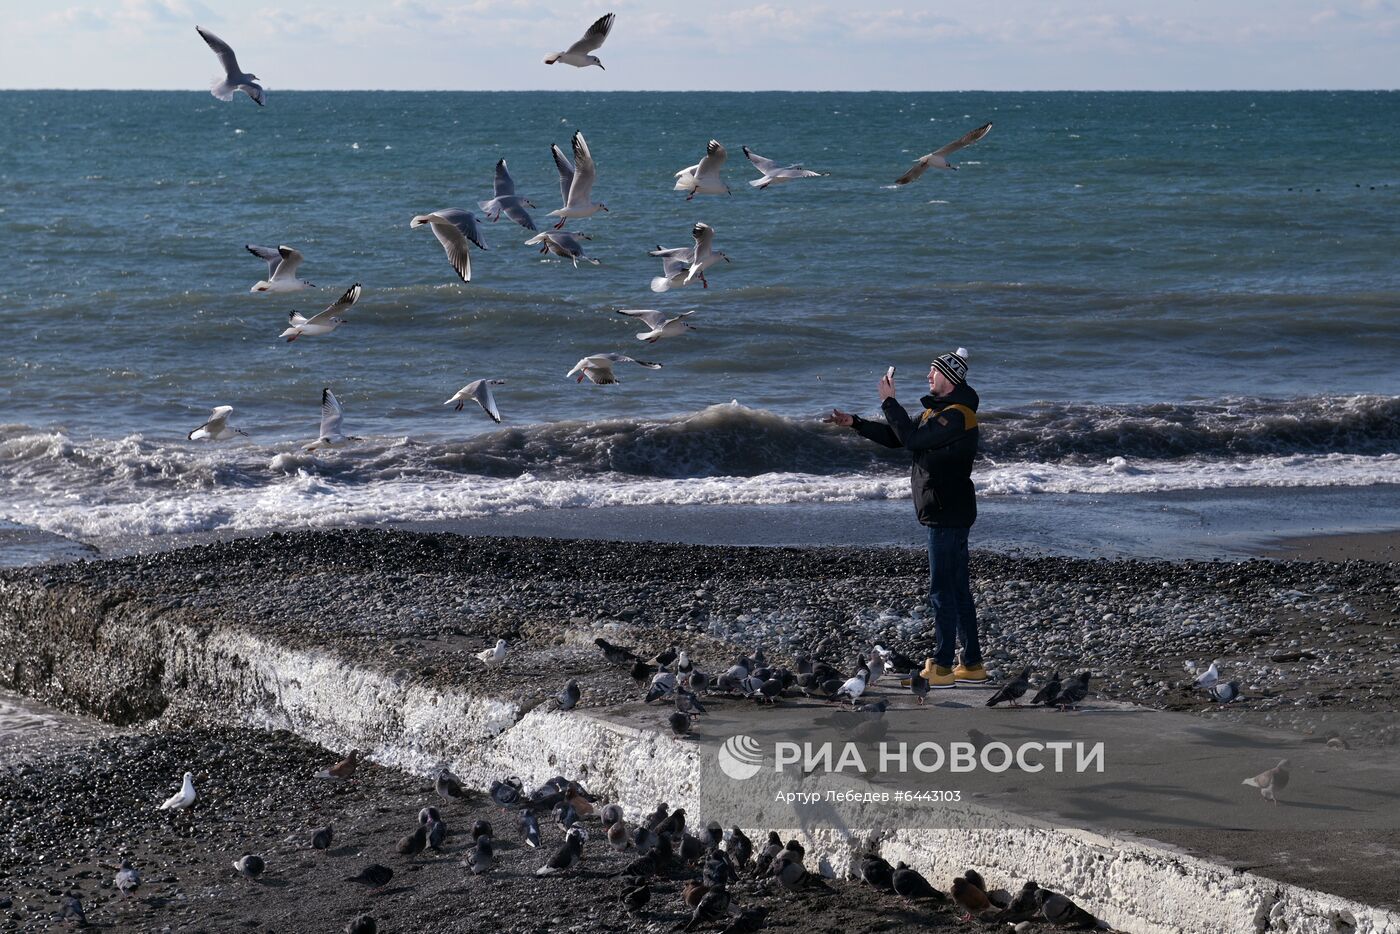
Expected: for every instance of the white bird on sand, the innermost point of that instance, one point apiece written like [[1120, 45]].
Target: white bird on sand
[[578, 53], [1270, 782], [507, 202], [478, 391], [598, 368], [217, 427], [576, 182], [675, 263], [454, 228], [331, 415], [660, 326], [774, 174], [1208, 677], [938, 158], [703, 177], [183, 798], [323, 323], [562, 243], [493, 658], [282, 266], [234, 79], [704, 257]]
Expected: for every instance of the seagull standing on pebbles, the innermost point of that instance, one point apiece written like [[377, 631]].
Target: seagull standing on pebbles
[[479, 391], [323, 323], [282, 264], [507, 202], [456, 230], [578, 53], [494, 657], [1206, 679], [234, 79], [562, 243], [658, 325], [182, 799], [331, 415], [938, 158], [598, 368], [774, 174], [576, 182], [217, 427], [703, 177]]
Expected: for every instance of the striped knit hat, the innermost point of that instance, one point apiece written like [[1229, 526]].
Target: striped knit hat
[[953, 365]]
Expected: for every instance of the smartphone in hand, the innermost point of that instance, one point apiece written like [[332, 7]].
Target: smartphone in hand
[[889, 374]]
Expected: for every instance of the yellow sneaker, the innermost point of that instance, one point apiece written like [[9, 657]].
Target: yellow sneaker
[[970, 674], [937, 676]]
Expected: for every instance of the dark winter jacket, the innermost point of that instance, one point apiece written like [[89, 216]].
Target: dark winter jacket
[[943, 440]]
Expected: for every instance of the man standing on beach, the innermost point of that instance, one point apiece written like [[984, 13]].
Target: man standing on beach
[[943, 441]]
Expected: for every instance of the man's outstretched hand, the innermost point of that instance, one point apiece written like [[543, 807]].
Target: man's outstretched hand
[[838, 417]]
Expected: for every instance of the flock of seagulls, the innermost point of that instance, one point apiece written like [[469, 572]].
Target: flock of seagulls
[[459, 231]]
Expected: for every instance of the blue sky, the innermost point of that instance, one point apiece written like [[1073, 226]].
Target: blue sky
[[718, 44]]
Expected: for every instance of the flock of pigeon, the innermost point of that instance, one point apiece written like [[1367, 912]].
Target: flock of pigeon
[[459, 230]]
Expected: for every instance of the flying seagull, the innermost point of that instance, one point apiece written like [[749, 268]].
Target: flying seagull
[[217, 427], [703, 177], [478, 391], [704, 257], [454, 228], [562, 243], [507, 202], [598, 368], [675, 263], [938, 158], [774, 174], [331, 414], [658, 324], [578, 53], [576, 182], [234, 78], [282, 266], [323, 323]]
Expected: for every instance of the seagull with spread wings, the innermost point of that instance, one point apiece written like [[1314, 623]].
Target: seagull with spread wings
[[598, 368], [217, 427], [234, 79], [576, 182], [775, 174], [938, 159], [658, 325], [578, 53], [703, 177], [327, 321], [478, 391], [454, 229], [282, 265], [562, 243], [507, 202], [331, 415]]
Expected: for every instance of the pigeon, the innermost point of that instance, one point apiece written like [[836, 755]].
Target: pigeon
[[415, 842], [1048, 692], [217, 427], [478, 391], [507, 202], [567, 856], [70, 910], [578, 53], [774, 174], [1222, 692], [494, 657], [673, 824], [128, 879], [598, 368], [282, 266], [918, 686], [373, 875], [714, 906], [610, 814], [618, 838], [663, 684], [479, 857], [567, 699], [576, 182], [616, 654], [1025, 906], [579, 802], [911, 884], [680, 723], [362, 924], [447, 785], [794, 877], [331, 416], [481, 828], [250, 865], [455, 230], [748, 921], [656, 817], [1271, 782], [688, 703], [182, 799], [703, 178], [771, 848], [703, 256], [853, 688], [665, 657], [1206, 679], [437, 833], [562, 243], [1060, 911], [740, 847], [321, 839], [428, 814], [1013, 689], [529, 827], [234, 79], [506, 793], [323, 323], [343, 769], [971, 897], [658, 325], [692, 892], [876, 871], [636, 897], [938, 158], [1074, 691]]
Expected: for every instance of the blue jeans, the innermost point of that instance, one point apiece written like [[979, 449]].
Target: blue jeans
[[950, 598]]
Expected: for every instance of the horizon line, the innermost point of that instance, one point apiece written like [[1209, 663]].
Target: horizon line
[[1304, 90]]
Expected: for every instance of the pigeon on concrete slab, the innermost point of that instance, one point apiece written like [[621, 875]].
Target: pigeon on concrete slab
[[1270, 783]]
